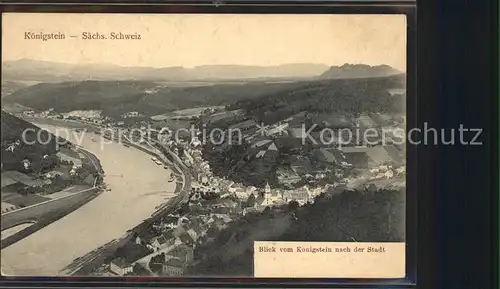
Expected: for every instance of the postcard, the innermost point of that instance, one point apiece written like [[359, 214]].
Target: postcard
[[204, 145]]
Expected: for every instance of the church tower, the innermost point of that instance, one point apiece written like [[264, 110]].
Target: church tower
[[267, 189], [267, 195]]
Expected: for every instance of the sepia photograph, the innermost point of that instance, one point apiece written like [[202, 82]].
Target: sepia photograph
[[203, 145]]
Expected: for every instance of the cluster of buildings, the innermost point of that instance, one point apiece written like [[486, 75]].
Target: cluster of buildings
[[387, 172], [309, 155], [214, 202], [171, 242], [87, 116], [21, 188]]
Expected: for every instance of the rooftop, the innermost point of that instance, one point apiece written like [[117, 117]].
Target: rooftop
[[161, 240], [120, 262]]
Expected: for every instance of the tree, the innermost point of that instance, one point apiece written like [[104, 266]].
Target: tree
[[251, 201], [139, 270], [49, 162], [155, 264], [293, 206]]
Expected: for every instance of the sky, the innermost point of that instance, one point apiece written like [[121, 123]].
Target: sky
[[206, 39]]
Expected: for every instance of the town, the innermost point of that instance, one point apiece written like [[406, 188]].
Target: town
[[216, 197]]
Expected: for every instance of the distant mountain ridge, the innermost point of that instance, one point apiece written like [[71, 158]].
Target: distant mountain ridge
[[151, 98], [26, 69], [359, 71]]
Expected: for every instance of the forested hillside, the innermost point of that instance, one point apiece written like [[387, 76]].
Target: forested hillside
[[151, 98], [34, 146], [352, 216]]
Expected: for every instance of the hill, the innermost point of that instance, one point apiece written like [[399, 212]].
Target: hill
[[9, 87], [26, 69], [149, 98], [347, 96], [152, 98], [15, 149], [359, 71], [85, 95]]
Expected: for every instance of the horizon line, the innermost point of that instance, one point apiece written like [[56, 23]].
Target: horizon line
[[197, 66]]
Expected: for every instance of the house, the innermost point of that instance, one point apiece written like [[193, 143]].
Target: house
[[173, 267], [131, 114], [120, 267], [26, 164], [241, 193], [251, 190], [29, 113], [165, 240], [158, 242], [53, 174], [301, 195], [193, 234]]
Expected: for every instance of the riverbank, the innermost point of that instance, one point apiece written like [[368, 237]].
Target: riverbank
[[136, 187]]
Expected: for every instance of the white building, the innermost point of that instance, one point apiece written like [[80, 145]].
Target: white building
[[131, 114], [270, 197], [120, 267], [173, 267]]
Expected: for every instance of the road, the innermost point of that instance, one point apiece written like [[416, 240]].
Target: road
[[137, 186]]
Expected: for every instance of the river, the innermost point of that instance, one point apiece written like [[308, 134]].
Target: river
[[137, 185]]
